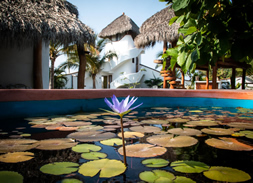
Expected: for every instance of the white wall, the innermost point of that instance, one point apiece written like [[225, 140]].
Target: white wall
[[17, 66]]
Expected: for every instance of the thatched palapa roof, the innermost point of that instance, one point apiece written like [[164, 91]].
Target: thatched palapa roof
[[120, 25], [157, 28], [26, 21]]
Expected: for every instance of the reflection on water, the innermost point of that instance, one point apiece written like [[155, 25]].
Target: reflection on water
[[202, 152]]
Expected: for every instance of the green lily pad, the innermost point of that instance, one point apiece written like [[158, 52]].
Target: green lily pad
[[202, 123], [181, 179], [226, 174], [10, 177], [71, 181], [196, 111], [154, 121], [155, 162], [112, 142], [88, 128], [16, 157], [189, 166], [107, 168], [156, 176], [85, 148], [59, 168], [93, 155]]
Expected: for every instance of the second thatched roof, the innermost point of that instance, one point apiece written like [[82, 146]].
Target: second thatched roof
[[157, 29], [120, 25], [23, 22]]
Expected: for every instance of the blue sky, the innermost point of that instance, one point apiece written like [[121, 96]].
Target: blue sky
[[99, 13]]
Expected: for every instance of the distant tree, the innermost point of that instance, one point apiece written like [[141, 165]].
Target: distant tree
[[211, 29], [154, 82], [60, 78]]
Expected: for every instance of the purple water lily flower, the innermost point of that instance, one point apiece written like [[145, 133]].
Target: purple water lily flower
[[123, 106]]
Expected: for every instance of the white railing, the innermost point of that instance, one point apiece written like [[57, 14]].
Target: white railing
[[126, 79]]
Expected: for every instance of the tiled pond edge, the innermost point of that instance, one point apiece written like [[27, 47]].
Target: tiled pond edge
[[24, 103]]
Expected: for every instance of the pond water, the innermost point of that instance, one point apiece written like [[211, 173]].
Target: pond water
[[234, 151]]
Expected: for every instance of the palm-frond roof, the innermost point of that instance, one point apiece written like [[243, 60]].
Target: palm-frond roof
[[157, 29], [25, 21]]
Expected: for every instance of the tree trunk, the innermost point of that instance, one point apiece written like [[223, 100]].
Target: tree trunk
[[94, 80], [82, 66], [51, 86], [37, 65]]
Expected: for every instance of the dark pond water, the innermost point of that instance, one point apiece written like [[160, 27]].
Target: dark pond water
[[30, 170]]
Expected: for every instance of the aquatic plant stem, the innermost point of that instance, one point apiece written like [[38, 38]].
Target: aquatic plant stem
[[123, 140]]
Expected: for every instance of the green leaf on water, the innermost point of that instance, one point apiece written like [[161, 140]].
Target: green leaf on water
[[181, 179], [226, 174], [71, 181], [155, 162], [157, 176], [59, 168], [107, 168], [85, 148], [10, 177], [189, 166], [93, 155], [112, 142]]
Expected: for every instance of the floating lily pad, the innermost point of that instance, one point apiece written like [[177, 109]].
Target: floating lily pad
[[10, 177], [59, 168], [226, 174], [76, 123], [169, 141], [189, 166], [155, 162], [107, 168], [154, 121], [129, 135], [25, 135], [71, 181], [185, 131], [112, 142], [218, 131], [91, 136], [68, 128], [156, 176], [16, 157], [229, 144], [90, 128], [85, 148], [181, 179], [55, 144], [16, 145], [241, 125], [93, 155], [202, 123], [145, 129], [196, 111], [178, 120], [143, 150]]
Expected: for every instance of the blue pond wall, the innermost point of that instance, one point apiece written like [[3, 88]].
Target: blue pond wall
[[22, 109]]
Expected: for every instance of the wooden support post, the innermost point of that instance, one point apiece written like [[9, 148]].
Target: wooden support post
[[182, 78], [243, 78], [207, 79], [82, 66], [214, 81], [37, 65], [165, 85], [233, 78]]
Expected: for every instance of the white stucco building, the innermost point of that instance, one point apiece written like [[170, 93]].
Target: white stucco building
[[124, 71]]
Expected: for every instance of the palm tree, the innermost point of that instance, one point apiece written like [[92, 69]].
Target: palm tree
[[56, 50], [60, 78], [95, 64]]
